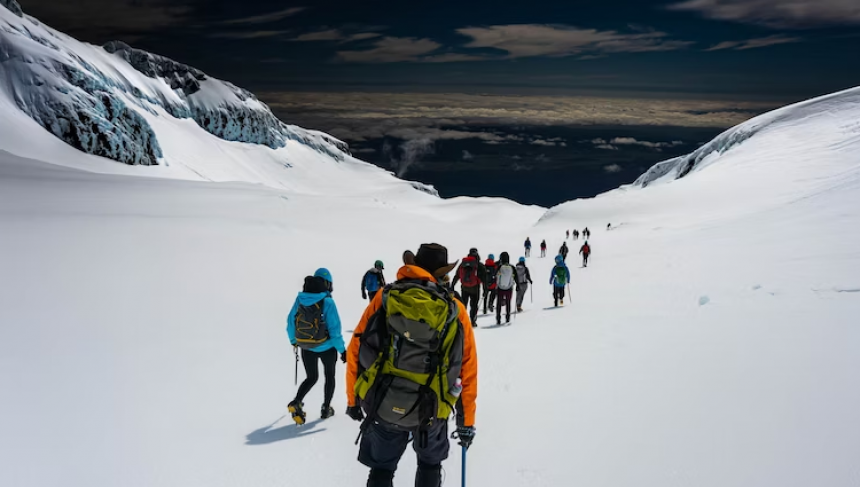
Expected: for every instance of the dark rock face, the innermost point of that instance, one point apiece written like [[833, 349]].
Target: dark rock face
[[13, 7], [180, 76]]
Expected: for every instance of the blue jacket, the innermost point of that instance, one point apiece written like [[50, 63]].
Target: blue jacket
[[332, 321], [552, 276]]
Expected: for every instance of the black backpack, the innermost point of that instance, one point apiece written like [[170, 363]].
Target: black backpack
[[311, 328]]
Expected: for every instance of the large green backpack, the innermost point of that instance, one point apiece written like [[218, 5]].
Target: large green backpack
[[410, 355], [560, 275]]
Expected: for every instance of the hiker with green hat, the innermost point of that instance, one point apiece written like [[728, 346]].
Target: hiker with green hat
[[373, 281]]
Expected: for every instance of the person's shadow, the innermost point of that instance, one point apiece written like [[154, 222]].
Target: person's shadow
[[267, 435]]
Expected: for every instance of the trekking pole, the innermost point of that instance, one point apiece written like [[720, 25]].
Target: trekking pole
[[569, 294], [296, 352], [532, 293], [463, 479]]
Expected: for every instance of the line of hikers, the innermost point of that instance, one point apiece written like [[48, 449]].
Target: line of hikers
[[411, 362]]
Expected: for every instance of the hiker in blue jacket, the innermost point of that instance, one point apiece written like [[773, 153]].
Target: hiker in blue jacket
[[319, 337], [559, 278], [373, 281]]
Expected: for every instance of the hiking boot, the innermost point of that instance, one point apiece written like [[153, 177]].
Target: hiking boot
[[296, 411], [508, 318], [519, 310], [326, 412], [562, 301]]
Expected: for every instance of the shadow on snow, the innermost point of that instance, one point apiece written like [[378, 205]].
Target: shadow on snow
[[266, 435]]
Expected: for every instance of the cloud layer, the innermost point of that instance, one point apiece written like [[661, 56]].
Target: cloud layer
[[529, 40], [774, 40], [777, 13]]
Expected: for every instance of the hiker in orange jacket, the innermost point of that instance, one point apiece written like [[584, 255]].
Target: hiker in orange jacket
[[382, 446]]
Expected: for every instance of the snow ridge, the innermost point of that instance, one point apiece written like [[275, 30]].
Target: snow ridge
[[93, 97], [680, 167]]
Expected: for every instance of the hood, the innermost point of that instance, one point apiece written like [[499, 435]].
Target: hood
[[414, 272], [307, 299]]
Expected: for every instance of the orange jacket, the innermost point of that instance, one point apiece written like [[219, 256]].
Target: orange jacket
[[469, 372]]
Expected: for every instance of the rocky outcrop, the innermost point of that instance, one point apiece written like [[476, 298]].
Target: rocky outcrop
[[13, 7]]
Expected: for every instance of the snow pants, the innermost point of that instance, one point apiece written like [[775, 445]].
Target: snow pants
[[521, 294], [585, 260], [471, 298], [557, 294], [528, 251], [543, 252], [505, 296], [382, 447], [311, 363]]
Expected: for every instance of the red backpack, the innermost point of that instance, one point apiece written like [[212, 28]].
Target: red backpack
[[469, 272]]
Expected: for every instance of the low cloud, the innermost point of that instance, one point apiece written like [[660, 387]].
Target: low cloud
[[334, 35], [774, 40], [614, 144], [613, 168], [391, 50], [264, 18], [467, 156], [530, 40], [777, 13]]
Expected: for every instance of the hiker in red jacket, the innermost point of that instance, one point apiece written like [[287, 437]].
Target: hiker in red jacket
[[585, 250]]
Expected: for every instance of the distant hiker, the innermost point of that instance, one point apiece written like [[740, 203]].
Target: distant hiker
[[528, 246], [563, 251], [373, 281], [471, 274], [524, 278], [558, 279], [409, 396], [543, 249], [576, 234], [585, 250], [566, 234], [609, 226], [490, 285], [314, 326], [586, 234], [506, 281]]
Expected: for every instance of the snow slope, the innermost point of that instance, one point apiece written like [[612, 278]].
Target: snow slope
[[712, 341]]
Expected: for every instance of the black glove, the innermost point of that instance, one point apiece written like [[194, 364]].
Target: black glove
[[466, 435], [343, 357], [363, 295], [355, 413]]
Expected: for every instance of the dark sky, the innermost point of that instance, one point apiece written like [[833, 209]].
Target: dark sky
[[745, 49]]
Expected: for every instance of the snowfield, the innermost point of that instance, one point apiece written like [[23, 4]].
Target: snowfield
[[712, 341]]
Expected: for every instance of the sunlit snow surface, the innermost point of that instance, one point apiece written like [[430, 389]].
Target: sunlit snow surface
[[712, 341]]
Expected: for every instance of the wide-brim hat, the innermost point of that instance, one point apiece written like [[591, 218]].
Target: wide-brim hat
[[433, 258]]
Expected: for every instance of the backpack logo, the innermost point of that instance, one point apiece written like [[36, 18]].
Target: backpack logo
[[410, 355], [311, 328]]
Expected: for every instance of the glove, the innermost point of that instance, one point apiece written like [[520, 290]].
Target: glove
[[343, 357], [355, 413], [363, 295], [466, 435]]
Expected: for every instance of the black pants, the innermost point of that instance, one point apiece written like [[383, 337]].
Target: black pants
[[310, 361], [372, 294], [557, 294], [504, 300], [489, 298], [585, 260], [471, 297], [381, 449]]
